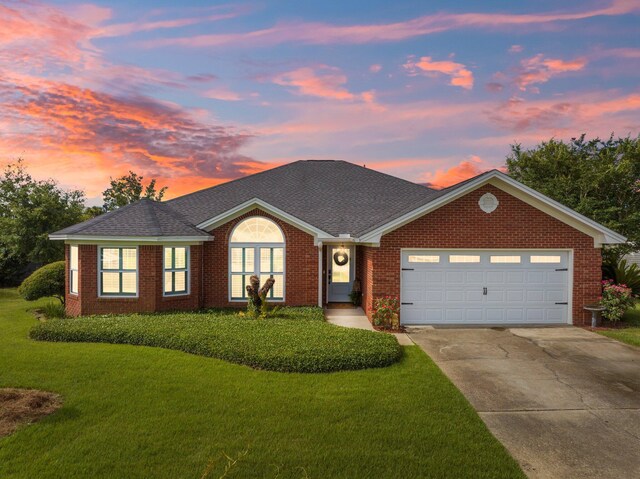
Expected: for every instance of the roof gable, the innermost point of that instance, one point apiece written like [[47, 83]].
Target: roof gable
[[601, 234]]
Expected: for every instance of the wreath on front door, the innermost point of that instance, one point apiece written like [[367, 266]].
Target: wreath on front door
[[340, 258]]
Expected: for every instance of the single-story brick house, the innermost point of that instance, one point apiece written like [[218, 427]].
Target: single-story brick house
[[488, 250]]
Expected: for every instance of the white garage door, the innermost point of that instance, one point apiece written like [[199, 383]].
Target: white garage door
[[484, 287]]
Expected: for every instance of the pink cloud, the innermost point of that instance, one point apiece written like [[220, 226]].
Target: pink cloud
[[516, 48], [599, 113], [458, 73], [326, 34], [323, 81], [222, 93], [464, 170], [83, 132], [539, 69], [375, 68]]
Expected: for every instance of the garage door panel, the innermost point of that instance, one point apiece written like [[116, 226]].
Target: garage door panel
[[453, 293], [494, 277], [535, 296], [515, 277], [556, 277], [413, 316], [473, 296], [555, 315], [474, 277], [434, 277], [535, 277], [453, 277], [515, 296], [434, 296], [495, 315], [554, 296], [496, 296]]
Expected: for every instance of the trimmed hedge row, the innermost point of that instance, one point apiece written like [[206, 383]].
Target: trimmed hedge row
[[296, 341]]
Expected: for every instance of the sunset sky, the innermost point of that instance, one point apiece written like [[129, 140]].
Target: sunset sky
[[433, 92]]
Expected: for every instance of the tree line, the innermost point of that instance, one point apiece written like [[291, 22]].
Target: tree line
[[31, 209], [597, 178]]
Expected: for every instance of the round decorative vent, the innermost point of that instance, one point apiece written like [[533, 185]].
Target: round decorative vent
[[488, 203]]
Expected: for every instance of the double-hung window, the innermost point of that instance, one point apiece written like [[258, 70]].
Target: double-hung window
[[73, 269], [118, 273], [256, 248], [176, 270], [272, 266]]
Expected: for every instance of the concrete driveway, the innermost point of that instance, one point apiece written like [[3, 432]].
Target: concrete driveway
[[564, 401]]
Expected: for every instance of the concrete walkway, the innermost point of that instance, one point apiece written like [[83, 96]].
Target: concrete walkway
[[564, 401], [355, 318]]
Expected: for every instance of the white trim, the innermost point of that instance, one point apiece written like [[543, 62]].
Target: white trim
[[570, 270], [118, 296], [77, 270], [188, 270], [256, 261], [242, 208], [320, 274], [87, 239], [601, 234]]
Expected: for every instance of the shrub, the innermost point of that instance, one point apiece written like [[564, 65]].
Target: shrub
[[53, 310], [386, 312], [288, 343], [44, 282], [629, 275], [617, 298]]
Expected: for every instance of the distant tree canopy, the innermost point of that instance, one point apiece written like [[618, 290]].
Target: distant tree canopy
[[128, 189], [598, 178], [32, 209], [29, 211]]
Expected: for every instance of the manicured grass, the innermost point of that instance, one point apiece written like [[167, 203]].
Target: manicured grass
[[630, 335], [140, 412], [298, 340]]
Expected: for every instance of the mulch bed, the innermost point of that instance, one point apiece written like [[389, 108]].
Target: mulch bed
[[24, 406]]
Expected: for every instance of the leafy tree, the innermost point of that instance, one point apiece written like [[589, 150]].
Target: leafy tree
[[91, 212], [128, 189], [29, 211], [44, 282], [598, 178]]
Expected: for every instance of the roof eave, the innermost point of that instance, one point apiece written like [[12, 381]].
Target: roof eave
[[240, 209], [130, 239]]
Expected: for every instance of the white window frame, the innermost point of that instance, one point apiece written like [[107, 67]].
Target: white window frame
[[71, 269], [187, 270], [100, 271], [256, 259]]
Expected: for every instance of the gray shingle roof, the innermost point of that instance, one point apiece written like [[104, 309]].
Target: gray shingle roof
[[334, 196], [142, 218]]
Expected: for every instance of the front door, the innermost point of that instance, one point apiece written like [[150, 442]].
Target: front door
[[341, 271]]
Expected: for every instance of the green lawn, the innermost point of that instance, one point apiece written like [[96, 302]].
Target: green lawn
[[296, 340], [630, 335], [135, 411]]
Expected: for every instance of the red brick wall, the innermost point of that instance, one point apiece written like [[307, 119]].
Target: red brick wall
[[149, 284], [461, 224], [301, 265]]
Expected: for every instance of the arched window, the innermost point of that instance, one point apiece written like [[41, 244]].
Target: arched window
[[256, 246]]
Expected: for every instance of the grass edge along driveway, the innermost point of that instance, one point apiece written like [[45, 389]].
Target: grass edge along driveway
[[631, 334], [134, 411]]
